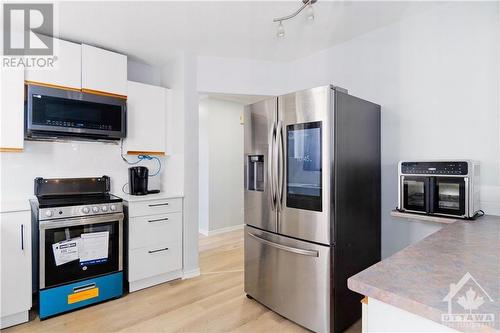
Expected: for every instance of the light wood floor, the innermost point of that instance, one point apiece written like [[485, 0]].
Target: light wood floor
[[212, 302]]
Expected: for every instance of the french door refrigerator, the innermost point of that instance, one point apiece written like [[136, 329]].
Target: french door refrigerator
[[312, 203]]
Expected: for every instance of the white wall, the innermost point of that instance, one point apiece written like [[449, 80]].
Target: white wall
[[140, 72], [57, 160], [436, 76], [181, 173], [221, 165], [241, 76], [204, 158]]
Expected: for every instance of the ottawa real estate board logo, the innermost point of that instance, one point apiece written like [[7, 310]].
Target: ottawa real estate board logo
[[27, 31], [469, 296]]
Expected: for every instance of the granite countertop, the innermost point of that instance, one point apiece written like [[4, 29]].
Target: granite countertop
[[418, 278], [156, 196]]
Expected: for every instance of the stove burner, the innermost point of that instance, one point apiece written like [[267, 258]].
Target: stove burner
[[76, 200]]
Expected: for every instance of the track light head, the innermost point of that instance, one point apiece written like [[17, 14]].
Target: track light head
[[281, 30], [310, 12]]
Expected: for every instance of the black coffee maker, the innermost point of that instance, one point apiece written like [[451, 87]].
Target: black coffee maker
[[138, 181]]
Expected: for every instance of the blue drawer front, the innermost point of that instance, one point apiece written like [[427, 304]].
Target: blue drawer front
[[55, 300]]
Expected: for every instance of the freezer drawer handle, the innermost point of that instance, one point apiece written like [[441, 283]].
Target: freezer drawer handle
[[311, 253], [158, 220], [156, 205]]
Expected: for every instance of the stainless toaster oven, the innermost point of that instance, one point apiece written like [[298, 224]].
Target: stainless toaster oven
[[444, 188]]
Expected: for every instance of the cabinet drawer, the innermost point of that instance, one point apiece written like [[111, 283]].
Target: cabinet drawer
[[154, 260], [66, 298], [154, 207], [145, 231]]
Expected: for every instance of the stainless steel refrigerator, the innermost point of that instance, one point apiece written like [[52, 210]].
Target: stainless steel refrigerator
[[312, 203]]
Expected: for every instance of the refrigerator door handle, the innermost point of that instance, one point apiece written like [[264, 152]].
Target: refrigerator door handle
[[280, 165], [310, 253], [270, 165]]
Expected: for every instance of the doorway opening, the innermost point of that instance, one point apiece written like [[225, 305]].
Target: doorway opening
[[221, 161]]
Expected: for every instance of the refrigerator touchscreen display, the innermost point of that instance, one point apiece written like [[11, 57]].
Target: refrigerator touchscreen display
[[304, 166]]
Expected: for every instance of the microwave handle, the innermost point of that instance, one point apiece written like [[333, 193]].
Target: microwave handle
[[430, 186]]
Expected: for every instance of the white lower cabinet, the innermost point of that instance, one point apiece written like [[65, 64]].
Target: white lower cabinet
[[154, 241], [155, 260], [382, 317], [15, 267]]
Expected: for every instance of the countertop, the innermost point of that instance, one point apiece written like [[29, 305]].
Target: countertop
[[14, 206], [156, 196], [418, 278]]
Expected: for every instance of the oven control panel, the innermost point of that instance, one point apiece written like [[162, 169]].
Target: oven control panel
[[79, 211], [435, 168]]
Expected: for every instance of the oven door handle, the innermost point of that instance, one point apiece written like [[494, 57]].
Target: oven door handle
[[52, 224]]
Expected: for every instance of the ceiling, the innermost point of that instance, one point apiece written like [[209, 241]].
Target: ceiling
[[151, 32]]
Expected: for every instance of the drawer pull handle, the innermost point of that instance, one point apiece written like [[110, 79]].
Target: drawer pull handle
[[159, 250], [158, 220], [84, 287], [157, 205], [22, 237]]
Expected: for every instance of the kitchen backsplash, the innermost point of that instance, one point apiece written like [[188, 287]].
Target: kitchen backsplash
[[66, 159]]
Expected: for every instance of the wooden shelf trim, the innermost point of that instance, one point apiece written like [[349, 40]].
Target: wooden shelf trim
[[103, 93], [87, 91], [137, 152], [11, 150], [51, 85], [428, 218]]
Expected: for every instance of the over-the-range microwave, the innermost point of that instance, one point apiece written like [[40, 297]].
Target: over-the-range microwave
[[54, 113]]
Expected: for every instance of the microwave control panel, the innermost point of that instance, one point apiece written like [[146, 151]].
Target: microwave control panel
[[435, 168]]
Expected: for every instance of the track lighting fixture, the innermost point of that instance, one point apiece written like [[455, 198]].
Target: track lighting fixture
[[310, 16]]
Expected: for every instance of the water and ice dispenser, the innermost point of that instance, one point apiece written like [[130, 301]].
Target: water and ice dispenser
[[255, 173]]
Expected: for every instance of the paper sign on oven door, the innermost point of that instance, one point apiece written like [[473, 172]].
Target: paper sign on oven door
[[66, 251], [94, 248]]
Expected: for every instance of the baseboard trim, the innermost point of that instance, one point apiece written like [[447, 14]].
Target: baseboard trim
[[14, 319], [191, 273], [221, 230]]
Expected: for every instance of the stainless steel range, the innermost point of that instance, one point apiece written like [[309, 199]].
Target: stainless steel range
[[78, 243], [312, 203]]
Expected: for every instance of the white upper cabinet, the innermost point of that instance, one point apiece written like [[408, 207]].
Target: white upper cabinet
[[104, 71], [146, 110], [11, 109], [67, 70]]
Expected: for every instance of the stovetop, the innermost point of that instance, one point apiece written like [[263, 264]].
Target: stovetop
[[76, 200]]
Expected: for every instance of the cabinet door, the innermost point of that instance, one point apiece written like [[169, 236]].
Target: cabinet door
[[11, 109], [104, 71], [146, 109], [15, 265], [67, 67]]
